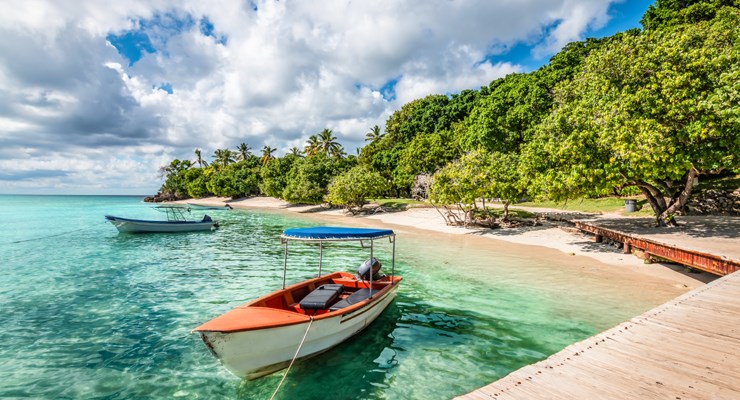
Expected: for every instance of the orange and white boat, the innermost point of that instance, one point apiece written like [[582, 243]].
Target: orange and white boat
[[307, 318]]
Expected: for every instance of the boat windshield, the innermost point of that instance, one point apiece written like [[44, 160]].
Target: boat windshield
[[174, 213]]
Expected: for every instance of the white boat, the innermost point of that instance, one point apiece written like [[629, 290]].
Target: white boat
[[176, 222], [302, 320], [202, 207]]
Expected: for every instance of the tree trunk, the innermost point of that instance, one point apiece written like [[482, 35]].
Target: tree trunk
[[506, 210], [665, 212], [677, 202]]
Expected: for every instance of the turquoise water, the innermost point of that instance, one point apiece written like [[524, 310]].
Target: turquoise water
[[90, 313]]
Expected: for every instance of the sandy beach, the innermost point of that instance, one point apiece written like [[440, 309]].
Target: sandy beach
[[551, 239]]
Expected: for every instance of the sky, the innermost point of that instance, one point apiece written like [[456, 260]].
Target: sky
[[96, 96]]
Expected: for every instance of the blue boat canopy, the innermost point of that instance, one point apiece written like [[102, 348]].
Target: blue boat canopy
[[335, 233]]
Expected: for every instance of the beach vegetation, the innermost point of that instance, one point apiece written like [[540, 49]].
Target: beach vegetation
[[308, 179], [197, 181], [267, 154], [222, 158], [352, 188], [243, 152], [651, 110], [374, 134], [274, 175], [199, 159], [475, 177]]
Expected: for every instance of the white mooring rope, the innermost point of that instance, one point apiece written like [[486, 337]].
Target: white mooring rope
[[293, 360]]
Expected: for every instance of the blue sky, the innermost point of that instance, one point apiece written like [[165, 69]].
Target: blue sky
[[96, 98]]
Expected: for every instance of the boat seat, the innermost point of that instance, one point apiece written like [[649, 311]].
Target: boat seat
[[354, 298], [321, 297]]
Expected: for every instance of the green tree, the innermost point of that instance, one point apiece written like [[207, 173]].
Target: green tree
[[505, 118], [175, 185], [312, 146], [308, 179], [328, 144], [243, 152], [478, 175], [196, 182], [505, 180], [461, 183], [199, 159], [235, 180], [296, 151], [374, 134], [223, 157], [651, 110], [353, 187], [274, 175], [666, 13], [267, 154], [424, 155]]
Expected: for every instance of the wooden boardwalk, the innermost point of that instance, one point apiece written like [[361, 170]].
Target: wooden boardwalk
[[716, 264], [688, 348]]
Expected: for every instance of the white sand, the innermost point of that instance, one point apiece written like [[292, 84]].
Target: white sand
[[536, 238]]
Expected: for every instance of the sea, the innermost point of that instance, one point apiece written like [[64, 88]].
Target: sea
[[90, 313]]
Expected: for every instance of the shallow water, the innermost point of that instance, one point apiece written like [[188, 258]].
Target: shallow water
[[90, 313]]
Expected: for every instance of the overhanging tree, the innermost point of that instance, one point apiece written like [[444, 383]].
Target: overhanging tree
[[651, 110]]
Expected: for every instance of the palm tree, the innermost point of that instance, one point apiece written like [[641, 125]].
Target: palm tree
[[328, 142], [243, 152], [374, 134], [296, 151], [312, 145], [338, 151], [199, 159], [223, 157], [267, 154]]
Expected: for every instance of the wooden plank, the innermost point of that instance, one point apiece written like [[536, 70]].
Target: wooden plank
[[686, 348]]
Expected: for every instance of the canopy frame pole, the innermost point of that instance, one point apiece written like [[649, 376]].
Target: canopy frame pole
[[371, 268], [285, 262], [393, 258], [321, 255]]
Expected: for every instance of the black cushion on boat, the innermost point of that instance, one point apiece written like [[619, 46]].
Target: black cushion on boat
[[354, 298], [321, 297]]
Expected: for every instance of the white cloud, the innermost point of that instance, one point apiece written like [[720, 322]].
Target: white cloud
[[74, 114]]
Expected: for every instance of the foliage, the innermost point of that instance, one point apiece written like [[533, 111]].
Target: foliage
[[197, 179], [424, 155], [267, 152], [222, 158], [478, 175], [235, 180], [650, 110], [243, 152], [199, 159], [274, 175], [175, 185], [502, 120], [308, 179], [374, 134], [353, 187], [675, 12]]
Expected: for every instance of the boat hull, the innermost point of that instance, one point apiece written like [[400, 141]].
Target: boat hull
[[254, 353], [143, 226]]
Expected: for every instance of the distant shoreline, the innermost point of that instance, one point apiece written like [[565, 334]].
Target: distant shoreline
[[607, 262]]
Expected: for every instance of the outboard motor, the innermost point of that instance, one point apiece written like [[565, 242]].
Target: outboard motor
[[207, 218], [363, 272]]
